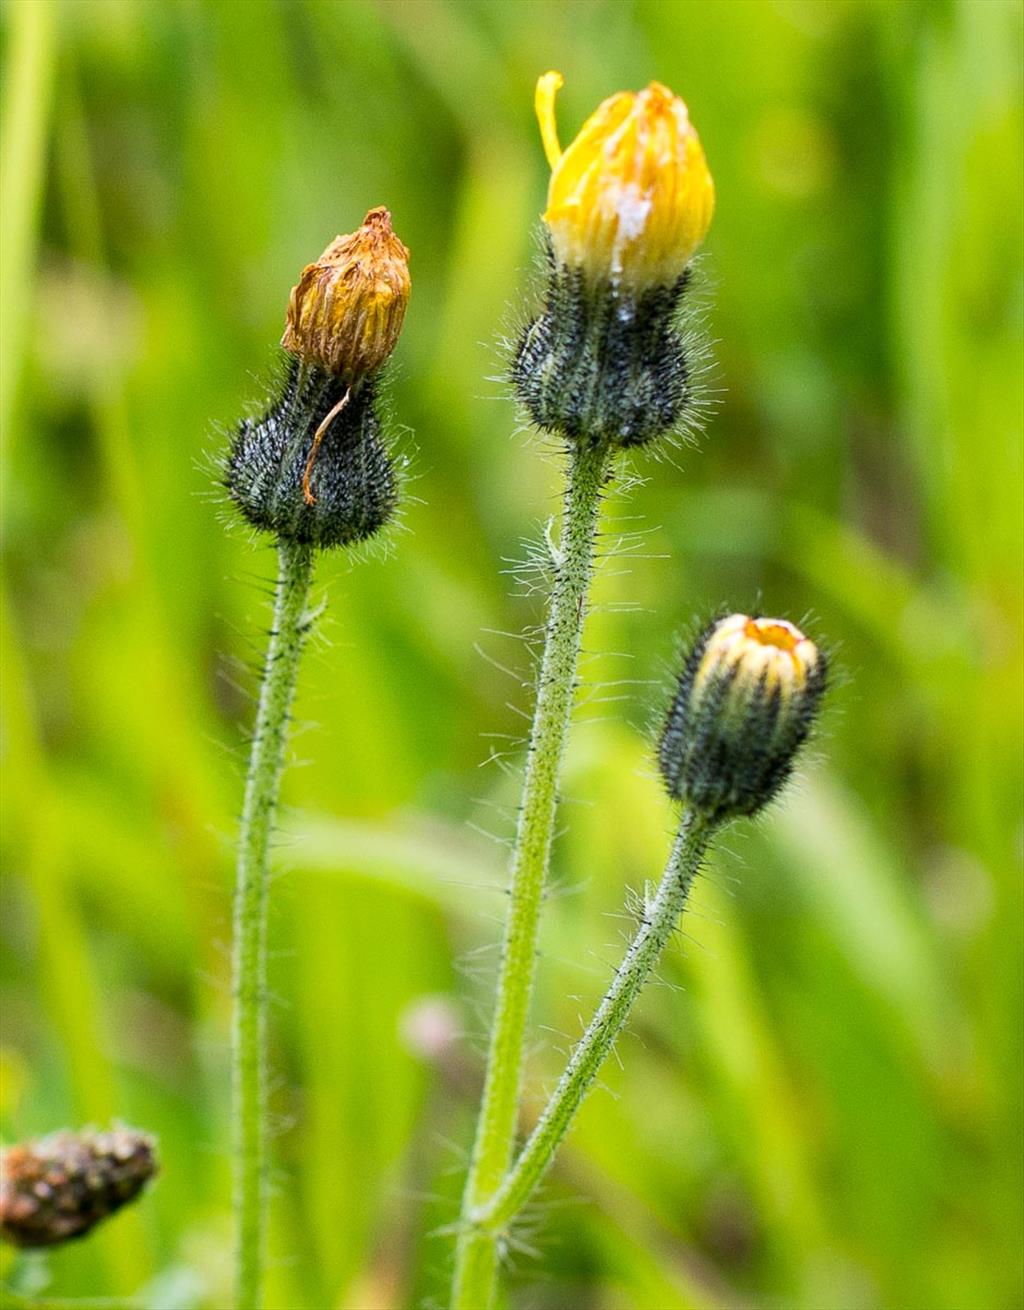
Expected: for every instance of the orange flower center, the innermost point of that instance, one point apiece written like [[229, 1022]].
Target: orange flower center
[[766, 633]]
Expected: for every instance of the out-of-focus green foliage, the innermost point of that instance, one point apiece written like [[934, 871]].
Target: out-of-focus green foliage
[[824, 1108]]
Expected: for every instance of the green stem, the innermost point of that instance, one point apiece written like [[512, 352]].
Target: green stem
[[476, 1256], [263, 783], [659, 920]]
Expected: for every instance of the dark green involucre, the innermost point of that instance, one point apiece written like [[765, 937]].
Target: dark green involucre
[[603, 364], [352, 477]]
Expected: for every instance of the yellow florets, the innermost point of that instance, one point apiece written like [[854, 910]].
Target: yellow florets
[[631, 198], [346, 311], [768, 652]]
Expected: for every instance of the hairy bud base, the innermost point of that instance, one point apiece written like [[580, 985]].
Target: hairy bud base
[[62, 1186], [271, 466], [603, 364], [744, 706]]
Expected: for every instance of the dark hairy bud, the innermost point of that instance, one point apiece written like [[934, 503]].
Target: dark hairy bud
[[347, 494], [744, 706], [60, 1187], [603, 363], [313, 470], [629, 202]]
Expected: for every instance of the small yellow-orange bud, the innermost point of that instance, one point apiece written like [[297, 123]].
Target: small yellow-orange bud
[[346, 311], [631, 198], [745, 703]]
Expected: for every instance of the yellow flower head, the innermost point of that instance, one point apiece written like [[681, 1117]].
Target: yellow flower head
[[631, 199], [762, 653], [346, 311]]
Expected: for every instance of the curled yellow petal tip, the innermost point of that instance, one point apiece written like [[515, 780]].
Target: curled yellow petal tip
[[631, 198], [548, 86]]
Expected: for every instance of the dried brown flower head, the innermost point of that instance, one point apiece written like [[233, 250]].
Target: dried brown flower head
[[60, 1187], [346, 311]]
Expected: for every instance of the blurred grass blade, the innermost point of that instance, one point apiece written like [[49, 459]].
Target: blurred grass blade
[[28, 77], [67, 975]]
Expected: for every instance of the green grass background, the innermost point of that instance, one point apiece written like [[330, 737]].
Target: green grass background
[[823, 1106]]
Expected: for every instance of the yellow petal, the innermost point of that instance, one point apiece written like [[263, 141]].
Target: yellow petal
[[548, 86]]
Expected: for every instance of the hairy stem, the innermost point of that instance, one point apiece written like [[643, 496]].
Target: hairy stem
[[659, 920], [476, 1256], [249, 1031]]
